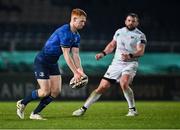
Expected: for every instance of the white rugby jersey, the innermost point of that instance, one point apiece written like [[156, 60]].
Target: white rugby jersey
[[126, 42]]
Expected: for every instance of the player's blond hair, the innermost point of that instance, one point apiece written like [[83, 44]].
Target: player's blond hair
[[78, 12]]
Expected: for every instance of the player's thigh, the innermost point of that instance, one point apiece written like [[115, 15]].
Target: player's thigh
[[55, 78], [41, 70], [127, 76], [42, 75], [56, 83], [128, 73], [125, 79]]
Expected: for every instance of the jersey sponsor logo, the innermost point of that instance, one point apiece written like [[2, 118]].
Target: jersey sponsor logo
[[73, 40]]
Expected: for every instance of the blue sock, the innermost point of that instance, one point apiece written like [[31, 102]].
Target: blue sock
[[43, 103], [31, 97]]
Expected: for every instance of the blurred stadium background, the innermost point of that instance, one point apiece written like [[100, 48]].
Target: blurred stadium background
[[26, 24]]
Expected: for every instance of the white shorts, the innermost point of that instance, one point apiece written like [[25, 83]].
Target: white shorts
[[116, 70]]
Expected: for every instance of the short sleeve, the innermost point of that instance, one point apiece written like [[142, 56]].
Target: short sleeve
[[64, 39], [76, 41], [116, 35], [68, 40], [142, 39]]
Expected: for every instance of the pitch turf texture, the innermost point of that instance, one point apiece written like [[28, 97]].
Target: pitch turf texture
[[101, 115]]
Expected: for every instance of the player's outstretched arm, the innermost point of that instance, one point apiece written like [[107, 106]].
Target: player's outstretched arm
[[71, 64], [140, 48], [108, 49], [77, 60]]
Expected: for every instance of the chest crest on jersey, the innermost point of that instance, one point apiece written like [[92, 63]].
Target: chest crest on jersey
[[74, 40], [130, 39]]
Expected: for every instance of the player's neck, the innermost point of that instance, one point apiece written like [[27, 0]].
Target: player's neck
[[73, 29], [130, 29]]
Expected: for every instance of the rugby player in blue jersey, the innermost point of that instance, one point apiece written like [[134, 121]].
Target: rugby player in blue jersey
[[64, 40]]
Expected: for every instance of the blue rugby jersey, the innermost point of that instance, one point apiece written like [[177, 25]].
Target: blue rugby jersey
[[61, 37]]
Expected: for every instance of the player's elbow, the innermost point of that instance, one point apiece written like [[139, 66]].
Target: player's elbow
[[142, 53]]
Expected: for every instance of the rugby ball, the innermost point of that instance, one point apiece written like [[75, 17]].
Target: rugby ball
[[82, 83]]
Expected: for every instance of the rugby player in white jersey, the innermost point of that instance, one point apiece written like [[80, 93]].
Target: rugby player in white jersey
[[129, 44]]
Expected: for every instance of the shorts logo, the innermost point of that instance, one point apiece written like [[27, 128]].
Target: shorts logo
[[108, 74], [41, 74], [35, 73]]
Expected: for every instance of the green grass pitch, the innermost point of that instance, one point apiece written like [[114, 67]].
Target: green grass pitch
[[101, 115]]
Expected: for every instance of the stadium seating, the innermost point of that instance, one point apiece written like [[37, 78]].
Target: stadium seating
[[26, 24]]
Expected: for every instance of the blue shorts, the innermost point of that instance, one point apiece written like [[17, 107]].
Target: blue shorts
[[43, 71]]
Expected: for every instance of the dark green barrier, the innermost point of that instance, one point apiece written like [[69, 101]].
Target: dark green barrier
[[160, 64], [153, 64]]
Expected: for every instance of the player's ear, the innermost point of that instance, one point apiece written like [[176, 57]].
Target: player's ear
[[137, 23], [74, 19], [125, 21]]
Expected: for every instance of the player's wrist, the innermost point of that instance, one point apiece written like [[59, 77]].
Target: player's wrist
[[131, 55], [80, 70], [104, 53]]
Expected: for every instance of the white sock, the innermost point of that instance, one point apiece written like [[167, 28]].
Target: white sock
[[129, 95], [91, 99]]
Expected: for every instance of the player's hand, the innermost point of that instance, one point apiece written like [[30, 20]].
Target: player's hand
[[99, 56], [125, 56], [81, 72], [77, 77]]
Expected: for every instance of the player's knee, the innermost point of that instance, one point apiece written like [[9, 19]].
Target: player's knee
[[124, 84], [55, 93], [124, 87], [44, 93], [102, 88]]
